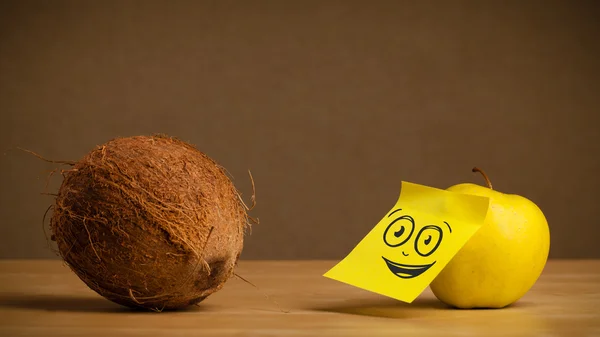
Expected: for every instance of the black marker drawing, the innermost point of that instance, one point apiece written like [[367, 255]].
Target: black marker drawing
[[407, 270], [447, 224], [403, 228], [426, 242], [424, 245], [396, 210]]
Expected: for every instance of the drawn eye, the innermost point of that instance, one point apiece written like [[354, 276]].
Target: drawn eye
[[399, 231], [428, 240]]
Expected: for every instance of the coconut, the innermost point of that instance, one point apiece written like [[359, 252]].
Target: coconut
[[149, 222]]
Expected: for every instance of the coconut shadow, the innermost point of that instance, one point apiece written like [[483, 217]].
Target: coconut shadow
[[78, 304]]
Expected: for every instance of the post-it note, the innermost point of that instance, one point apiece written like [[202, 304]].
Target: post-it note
[[413, 242]]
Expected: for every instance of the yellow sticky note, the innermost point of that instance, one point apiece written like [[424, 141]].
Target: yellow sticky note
[[413, 242]]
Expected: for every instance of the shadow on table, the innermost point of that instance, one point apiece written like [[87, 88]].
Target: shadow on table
[[383, 307], [390, 308], [73, 304]]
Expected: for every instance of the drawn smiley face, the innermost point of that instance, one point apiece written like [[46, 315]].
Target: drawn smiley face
[[399, 234]]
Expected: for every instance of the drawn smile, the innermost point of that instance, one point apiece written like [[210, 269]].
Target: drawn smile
[[407, 270]]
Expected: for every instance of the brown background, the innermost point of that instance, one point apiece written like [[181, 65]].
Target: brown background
[[330, 104]]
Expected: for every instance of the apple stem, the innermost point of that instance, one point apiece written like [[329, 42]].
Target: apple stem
[[487, 180]]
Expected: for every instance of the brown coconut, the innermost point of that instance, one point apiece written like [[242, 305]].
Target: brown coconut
[[149, 222]]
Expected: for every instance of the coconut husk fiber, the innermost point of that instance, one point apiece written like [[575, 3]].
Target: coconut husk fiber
[[149, 222]]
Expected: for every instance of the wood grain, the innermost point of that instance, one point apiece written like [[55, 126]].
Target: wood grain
[[43, 298]]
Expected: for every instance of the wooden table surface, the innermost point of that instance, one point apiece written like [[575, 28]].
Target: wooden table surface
[[43, 298]]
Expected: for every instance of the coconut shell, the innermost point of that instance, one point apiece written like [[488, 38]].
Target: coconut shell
[[149, 222]]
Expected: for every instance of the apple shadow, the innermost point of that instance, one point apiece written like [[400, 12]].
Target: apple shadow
[[390, 308], [76, 304]]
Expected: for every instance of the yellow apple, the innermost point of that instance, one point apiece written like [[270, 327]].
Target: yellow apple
[[503, 260]]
